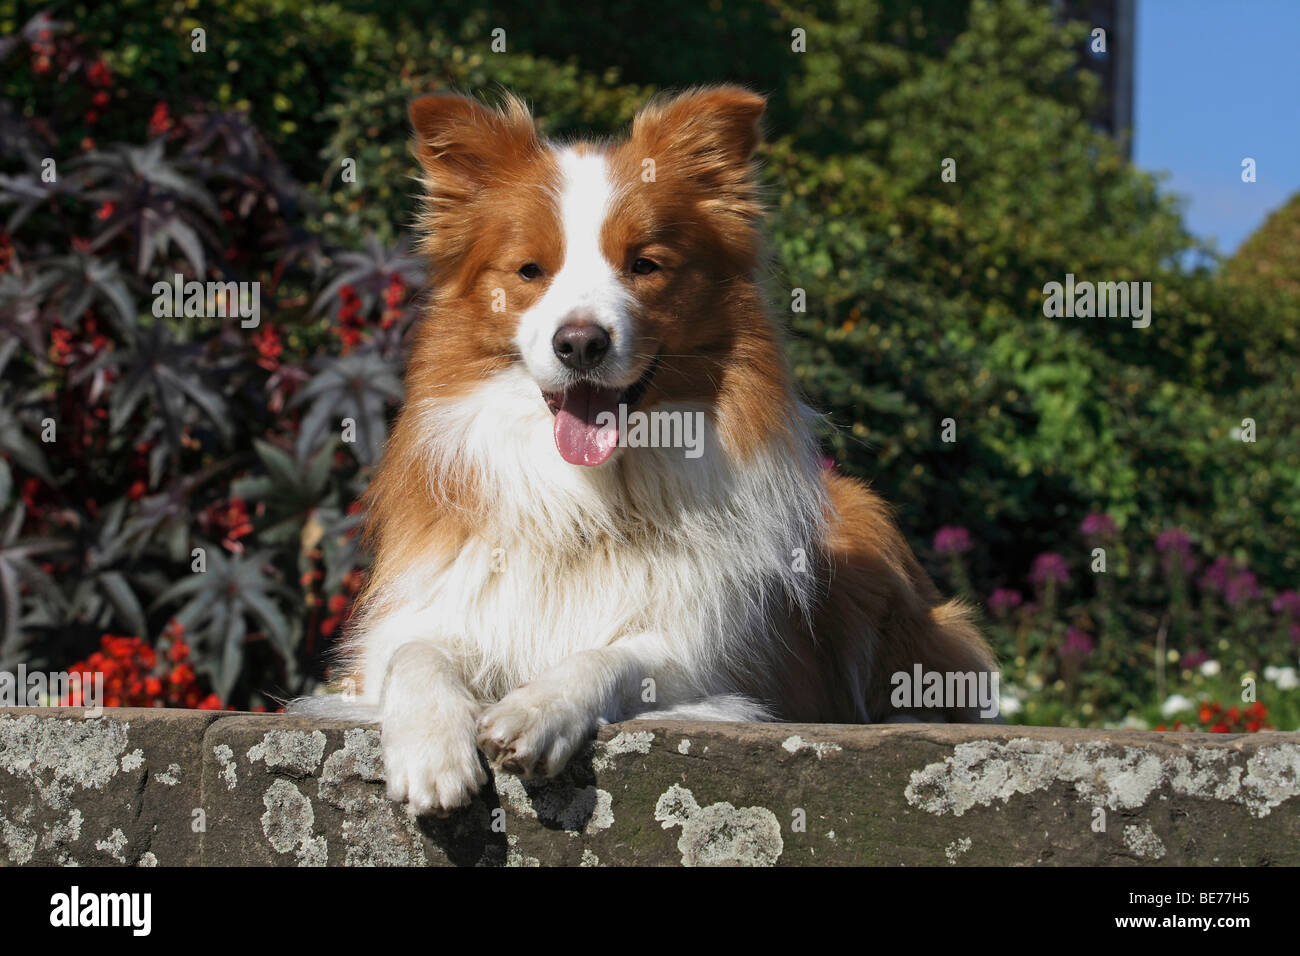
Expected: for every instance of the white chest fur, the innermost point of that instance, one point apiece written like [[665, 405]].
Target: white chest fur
[[702, 551]]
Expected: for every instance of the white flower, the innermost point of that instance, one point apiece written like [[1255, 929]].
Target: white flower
[[1175, 704], [1134, 722], [1008, 706], [1285, 678], [1211, 669]]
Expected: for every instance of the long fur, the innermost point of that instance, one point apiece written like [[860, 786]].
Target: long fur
[[529, 599]]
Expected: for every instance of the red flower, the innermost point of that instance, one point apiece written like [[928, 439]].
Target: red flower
[[99, 74], [269, 347], [132, 675], [100, 99], [161, 120], [230, 520], [60, 345]]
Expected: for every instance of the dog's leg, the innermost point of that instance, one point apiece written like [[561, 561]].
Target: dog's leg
[[428, 718], [535, 729]]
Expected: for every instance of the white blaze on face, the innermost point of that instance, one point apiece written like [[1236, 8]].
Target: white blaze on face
[[587, 283]]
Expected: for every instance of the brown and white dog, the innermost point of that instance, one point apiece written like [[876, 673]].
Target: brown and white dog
[[537, 574]]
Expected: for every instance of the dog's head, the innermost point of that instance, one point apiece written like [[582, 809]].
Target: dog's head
[[616, 274]]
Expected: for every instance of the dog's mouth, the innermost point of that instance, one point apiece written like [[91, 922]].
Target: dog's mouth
[[587, 417]]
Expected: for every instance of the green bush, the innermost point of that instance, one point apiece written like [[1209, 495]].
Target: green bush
[[922, 298]]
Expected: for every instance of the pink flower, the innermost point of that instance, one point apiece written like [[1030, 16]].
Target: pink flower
[[1288, 603], [1098, 525], [952, 540], [1049, 566], [1218, 574], [1174, 539], [1077, 644], [1176, 546], [1005, 600], [1242, 587]]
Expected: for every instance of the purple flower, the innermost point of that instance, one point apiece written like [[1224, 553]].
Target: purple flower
[[1005, 600], [1077, 643], [1218, 574], [1193, 659], [1242, 587], [1049, 566], [1174, 539], [1176, 546], [952, 540], [1098, 525], [1288, 603]]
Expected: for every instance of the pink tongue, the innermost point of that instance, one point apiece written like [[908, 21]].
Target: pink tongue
[[580, 435]]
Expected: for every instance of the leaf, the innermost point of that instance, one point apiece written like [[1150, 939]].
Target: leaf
[[358, 386], [124, 601]]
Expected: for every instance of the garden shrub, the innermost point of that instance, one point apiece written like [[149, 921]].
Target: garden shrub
[[912, 300]]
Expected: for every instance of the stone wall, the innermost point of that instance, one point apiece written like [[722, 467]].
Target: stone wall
[[167, 787]]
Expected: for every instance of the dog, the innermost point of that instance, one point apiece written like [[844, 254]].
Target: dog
[[536, 573]]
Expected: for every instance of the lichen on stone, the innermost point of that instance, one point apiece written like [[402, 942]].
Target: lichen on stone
[[956, 848], [289, 822], [226, 758], [981, 772], [720, 834], [1142, 841], [635, 742], [794, 744], [373, 831], [133, 761], [113, 845], [60, 755], [295, 752], [557, 803]]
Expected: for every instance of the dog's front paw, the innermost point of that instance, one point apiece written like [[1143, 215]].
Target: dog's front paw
[[533, 731], [432, 768]]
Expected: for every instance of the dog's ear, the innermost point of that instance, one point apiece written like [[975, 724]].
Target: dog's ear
[[460, 141], [711, 125], [705, 139]]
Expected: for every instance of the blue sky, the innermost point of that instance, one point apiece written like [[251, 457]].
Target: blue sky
[[1216, 81]]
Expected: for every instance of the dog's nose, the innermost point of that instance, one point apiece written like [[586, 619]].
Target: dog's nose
[[580, 345]]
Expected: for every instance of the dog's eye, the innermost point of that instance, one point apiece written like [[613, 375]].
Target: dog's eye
[[643, 267], [530, 272]]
